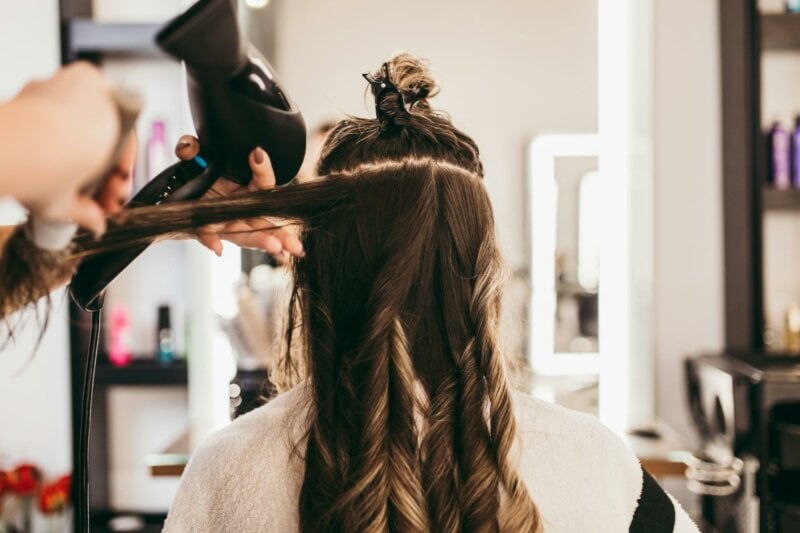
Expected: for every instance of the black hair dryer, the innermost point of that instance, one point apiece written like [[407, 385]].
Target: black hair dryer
[[237, 104]]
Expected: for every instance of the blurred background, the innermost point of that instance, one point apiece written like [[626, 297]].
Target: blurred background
[[643, 159]]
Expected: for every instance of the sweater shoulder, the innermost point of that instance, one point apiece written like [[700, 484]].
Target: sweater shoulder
[[567, 457], [248, 473], [267, 434], [284, 413]]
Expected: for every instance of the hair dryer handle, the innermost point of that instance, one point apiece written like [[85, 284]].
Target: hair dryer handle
[[185, 180]]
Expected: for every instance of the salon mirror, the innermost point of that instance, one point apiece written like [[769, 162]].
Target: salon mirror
[[566, 207]]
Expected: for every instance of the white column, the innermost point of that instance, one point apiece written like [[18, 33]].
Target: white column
[[210, 360], [625, 79]]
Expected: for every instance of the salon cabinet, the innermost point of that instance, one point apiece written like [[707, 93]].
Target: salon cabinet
[[185, 397], [738, 397], [117, 46], [760, 55]]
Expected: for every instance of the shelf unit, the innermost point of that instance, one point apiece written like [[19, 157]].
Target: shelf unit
[[780, 31], [780, 200], [776, 50], [745, 35], [142, 371], [84, 39]]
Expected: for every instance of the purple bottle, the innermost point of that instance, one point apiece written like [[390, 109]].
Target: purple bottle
[[779, 157], [796, 154]]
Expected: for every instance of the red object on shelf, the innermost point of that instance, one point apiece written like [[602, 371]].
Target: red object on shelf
[[3, 487], [23, 480], [55, 497]]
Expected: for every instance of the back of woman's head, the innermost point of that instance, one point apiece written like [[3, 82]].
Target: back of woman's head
[[398, 296], [393, 318]]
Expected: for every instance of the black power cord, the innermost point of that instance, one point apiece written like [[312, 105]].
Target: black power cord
[[186, 180], [82, 515]]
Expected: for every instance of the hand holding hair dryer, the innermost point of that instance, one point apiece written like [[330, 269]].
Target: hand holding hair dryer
[[237, 104]]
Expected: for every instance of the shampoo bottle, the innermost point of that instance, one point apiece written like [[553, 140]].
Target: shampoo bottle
[[166, 338], [158, 154], [779, 157], [118, 352], [796, 154]]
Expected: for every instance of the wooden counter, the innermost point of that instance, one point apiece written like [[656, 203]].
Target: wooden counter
[[662, 457]]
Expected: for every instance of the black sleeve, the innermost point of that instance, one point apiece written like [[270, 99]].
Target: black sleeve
[[655, 512]]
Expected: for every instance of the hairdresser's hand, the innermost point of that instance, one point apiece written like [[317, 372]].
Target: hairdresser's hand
[[259, 233], [55, 137], [118, 185]]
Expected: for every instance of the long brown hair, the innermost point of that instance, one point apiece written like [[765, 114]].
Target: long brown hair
[[396, 306]]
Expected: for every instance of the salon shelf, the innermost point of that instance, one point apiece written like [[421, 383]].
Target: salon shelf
[[780, 31], [142, 372], [172, 461], [87, 37], [153, 522], [780, 200]]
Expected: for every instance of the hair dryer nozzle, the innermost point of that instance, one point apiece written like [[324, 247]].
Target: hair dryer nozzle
[[206, 36], [236, 99]]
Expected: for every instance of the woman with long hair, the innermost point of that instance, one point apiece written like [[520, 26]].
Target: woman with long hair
[[398, 415]]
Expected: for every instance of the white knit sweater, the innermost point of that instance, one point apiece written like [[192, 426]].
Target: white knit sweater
[[582, 477]]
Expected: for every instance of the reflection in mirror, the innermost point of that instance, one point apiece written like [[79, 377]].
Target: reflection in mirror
[[576, 255]]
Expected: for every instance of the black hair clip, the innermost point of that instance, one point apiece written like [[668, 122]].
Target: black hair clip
[[382, 88], [379, 86]]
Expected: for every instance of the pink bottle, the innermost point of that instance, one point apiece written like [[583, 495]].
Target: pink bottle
[[159, 156], [118, 352]]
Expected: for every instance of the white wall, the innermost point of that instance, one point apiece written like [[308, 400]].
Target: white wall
[[34, 394], [688, 277], [34, 399], [30, 27], [35, 414], [507, 71], [512, 70]]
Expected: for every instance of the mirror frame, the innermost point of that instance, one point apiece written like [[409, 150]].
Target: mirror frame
[[542, 221]]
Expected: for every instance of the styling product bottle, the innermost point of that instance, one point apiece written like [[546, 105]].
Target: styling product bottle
[[158, 154], [769, 337], [118, 352], [791, 332], [187, 337], [796, 154], [166, 339], [779, 157]]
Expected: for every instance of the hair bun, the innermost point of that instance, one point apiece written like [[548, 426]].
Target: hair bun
[[412, 77], [399, 86]]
